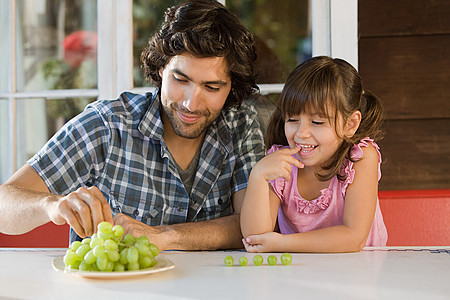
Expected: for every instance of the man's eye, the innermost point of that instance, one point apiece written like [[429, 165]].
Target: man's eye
[[212, 88], [317, 122], [179, 79]]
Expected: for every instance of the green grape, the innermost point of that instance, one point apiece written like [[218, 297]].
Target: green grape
[[85, 266], [243, 261], [142, 249], [75, 245], [109, 266], [99, 251], [90, 258], [106, 236], [129, 239], [107, 251], [145, 262], [86, 241], [132, 255], [119, 267], [258, 260], [123, 256], [95, 242], [133, 266], [102, 263], [110, 245], [229, 261], [272, 260], [104, 227], [143, 239], [154, 262], [70, 258], [154, 249], [94, 267], [75, 265], [286, 259], [82, 250], [118, 230], [112, 255]]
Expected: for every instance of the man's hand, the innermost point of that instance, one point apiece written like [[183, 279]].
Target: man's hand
[[83, 210], [154, 233]]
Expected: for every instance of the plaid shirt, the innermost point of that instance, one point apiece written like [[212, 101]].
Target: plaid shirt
[[118, 146]]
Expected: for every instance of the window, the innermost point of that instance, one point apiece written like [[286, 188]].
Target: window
[[50, 73], [59, 55]]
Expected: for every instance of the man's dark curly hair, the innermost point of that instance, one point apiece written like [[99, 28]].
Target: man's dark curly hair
[[204, 28]]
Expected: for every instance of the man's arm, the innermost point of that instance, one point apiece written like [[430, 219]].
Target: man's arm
[[26, 203], [220, 233]]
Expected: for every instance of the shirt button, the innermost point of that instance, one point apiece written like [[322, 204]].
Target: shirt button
[[180, 208], [220, 201], [136, 212]]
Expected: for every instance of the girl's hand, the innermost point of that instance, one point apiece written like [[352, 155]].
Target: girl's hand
[[277, 164], [266, 242]]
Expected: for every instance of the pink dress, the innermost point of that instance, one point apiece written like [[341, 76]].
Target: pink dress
[[299, 215]]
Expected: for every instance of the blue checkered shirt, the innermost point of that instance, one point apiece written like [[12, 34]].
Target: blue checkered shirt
[[118, 146]]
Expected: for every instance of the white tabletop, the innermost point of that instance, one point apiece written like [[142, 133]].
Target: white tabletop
[[374, 273]]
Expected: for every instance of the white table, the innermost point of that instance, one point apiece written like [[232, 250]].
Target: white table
[[374, 273]]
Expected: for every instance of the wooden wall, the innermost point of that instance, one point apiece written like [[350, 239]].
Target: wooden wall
[[404, 57]]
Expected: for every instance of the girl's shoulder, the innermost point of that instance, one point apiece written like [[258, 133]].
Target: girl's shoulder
[[366, 148], [366, 152]]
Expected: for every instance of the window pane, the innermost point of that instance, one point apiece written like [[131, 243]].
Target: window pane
[[147, 16], [282, 31], [39, 119], [4, 45], [4, 141], [56, 44]]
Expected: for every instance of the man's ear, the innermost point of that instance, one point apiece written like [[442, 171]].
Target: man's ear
[[353, 123]]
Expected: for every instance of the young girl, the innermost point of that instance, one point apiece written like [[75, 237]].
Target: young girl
[[319, 181]]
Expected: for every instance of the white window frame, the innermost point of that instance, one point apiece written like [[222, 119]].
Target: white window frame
[[335, 29], [334, 33]]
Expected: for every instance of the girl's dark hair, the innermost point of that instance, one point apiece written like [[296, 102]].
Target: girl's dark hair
[[332, 88], [204, 28]]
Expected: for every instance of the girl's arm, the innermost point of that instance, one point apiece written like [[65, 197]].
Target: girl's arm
[[359, 210], [260, 207]]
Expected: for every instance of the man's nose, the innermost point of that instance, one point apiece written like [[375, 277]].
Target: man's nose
[[192, 99]]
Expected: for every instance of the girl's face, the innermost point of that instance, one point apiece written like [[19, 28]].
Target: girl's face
[[315, 135]]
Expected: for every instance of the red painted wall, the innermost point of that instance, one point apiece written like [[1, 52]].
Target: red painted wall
[[46, 236], [416, 217]]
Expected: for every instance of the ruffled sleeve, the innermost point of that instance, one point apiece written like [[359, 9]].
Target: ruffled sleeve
[[357, 153], [278, 184]]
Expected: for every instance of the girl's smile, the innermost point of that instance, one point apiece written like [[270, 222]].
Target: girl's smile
[[306, 150], [315, 137]]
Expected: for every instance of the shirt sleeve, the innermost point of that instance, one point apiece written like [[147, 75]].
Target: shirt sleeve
[[251, 149], [75, 155], [356, 153]]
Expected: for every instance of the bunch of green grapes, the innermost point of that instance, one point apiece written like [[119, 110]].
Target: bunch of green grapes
[[108, 250]]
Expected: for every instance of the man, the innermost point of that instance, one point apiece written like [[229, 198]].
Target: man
[[172, 165]]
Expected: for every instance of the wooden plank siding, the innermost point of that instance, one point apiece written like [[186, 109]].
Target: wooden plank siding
[[404, 57]]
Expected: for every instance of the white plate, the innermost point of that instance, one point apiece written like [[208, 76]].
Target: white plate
[[162, 264]]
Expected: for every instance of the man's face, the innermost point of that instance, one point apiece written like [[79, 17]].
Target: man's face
[[193, 93]]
